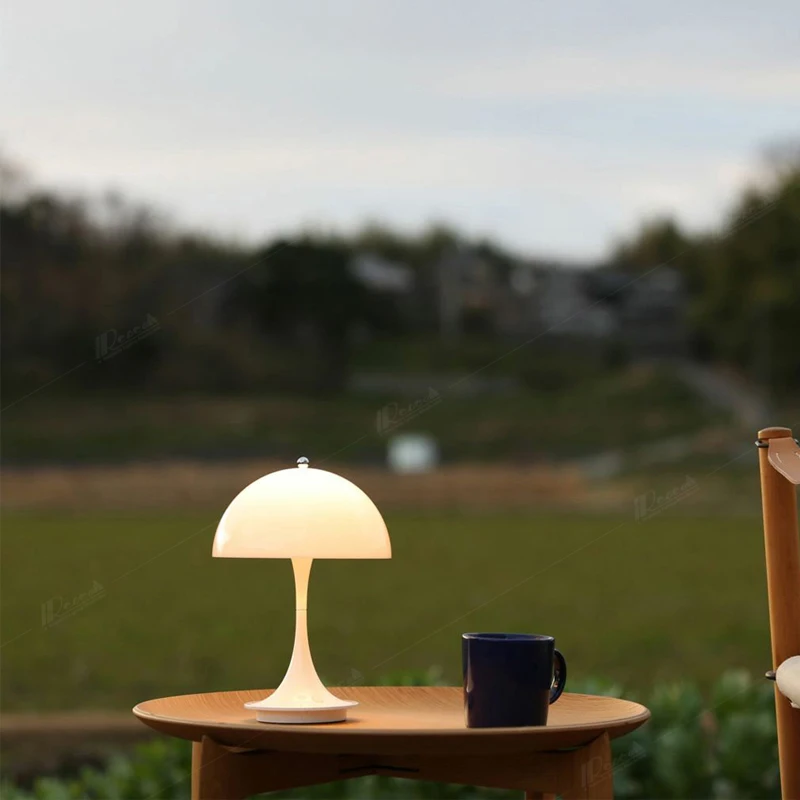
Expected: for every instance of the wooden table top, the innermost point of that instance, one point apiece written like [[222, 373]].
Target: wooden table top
[[389, 720]]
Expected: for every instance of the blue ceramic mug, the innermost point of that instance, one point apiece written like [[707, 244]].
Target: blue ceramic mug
[[510, 679]]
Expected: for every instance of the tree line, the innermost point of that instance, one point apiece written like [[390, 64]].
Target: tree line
[[105, 294], [742, 280]]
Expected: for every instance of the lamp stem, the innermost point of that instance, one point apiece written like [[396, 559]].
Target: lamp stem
[[301, 677], [302, 571], [301, 686], [301, 697]]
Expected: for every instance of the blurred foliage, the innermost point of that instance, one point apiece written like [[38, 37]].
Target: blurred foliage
[[304, 298], [721, 747], [81, 276], [743, 282]]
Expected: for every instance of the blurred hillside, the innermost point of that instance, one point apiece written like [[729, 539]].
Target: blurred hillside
[[102, 295]]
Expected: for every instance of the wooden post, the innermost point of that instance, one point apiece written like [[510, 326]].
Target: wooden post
[[782, 545]]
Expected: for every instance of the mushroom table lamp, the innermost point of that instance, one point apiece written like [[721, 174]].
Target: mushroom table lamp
[[301, 513]]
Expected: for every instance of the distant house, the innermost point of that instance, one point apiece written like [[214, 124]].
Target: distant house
[[392, 288], [565, 307], [649, 308], [469, 293], [380, 275], [644, 314]]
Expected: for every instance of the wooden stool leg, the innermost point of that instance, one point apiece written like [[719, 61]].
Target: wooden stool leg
[[214, 775], [208, 772], [197, 756], [224, 773], [593, 774], [600, 785]]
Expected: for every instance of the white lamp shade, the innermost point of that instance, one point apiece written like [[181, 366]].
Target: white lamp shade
[[302, 513]]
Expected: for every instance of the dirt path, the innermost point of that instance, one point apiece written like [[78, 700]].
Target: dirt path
[[212, 485], [39, 744]]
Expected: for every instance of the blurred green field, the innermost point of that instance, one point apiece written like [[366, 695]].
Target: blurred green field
[[667, 598], [562, 415]]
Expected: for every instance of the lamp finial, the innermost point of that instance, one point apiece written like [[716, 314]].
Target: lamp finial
[[302, 462]]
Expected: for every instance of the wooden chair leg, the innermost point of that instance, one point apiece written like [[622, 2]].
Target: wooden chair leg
[[779, 499]]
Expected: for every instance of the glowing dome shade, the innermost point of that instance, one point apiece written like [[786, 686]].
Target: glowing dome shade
[[302, 513]]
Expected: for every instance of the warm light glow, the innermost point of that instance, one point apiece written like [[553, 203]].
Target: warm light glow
[[302, 513]]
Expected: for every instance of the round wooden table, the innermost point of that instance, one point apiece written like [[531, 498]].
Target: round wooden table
[[406, 732]]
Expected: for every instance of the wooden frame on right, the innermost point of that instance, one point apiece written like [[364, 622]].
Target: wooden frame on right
[[779, 464]]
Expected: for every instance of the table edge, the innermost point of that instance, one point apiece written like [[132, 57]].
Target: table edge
[[630, 723]]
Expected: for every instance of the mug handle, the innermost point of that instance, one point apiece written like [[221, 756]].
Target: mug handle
[[559, 677]]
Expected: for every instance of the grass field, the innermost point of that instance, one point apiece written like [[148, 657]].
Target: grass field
[[667, 598], [625, 408]]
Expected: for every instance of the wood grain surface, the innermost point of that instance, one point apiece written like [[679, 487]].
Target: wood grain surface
[[391, 721]]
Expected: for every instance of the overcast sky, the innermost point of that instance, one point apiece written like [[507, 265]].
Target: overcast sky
[[553, 126]]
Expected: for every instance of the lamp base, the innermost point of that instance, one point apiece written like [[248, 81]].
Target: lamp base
[[301, 715], [301, 699]]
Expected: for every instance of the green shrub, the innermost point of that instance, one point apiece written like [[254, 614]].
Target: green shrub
[[723, 746], [726, 747]]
